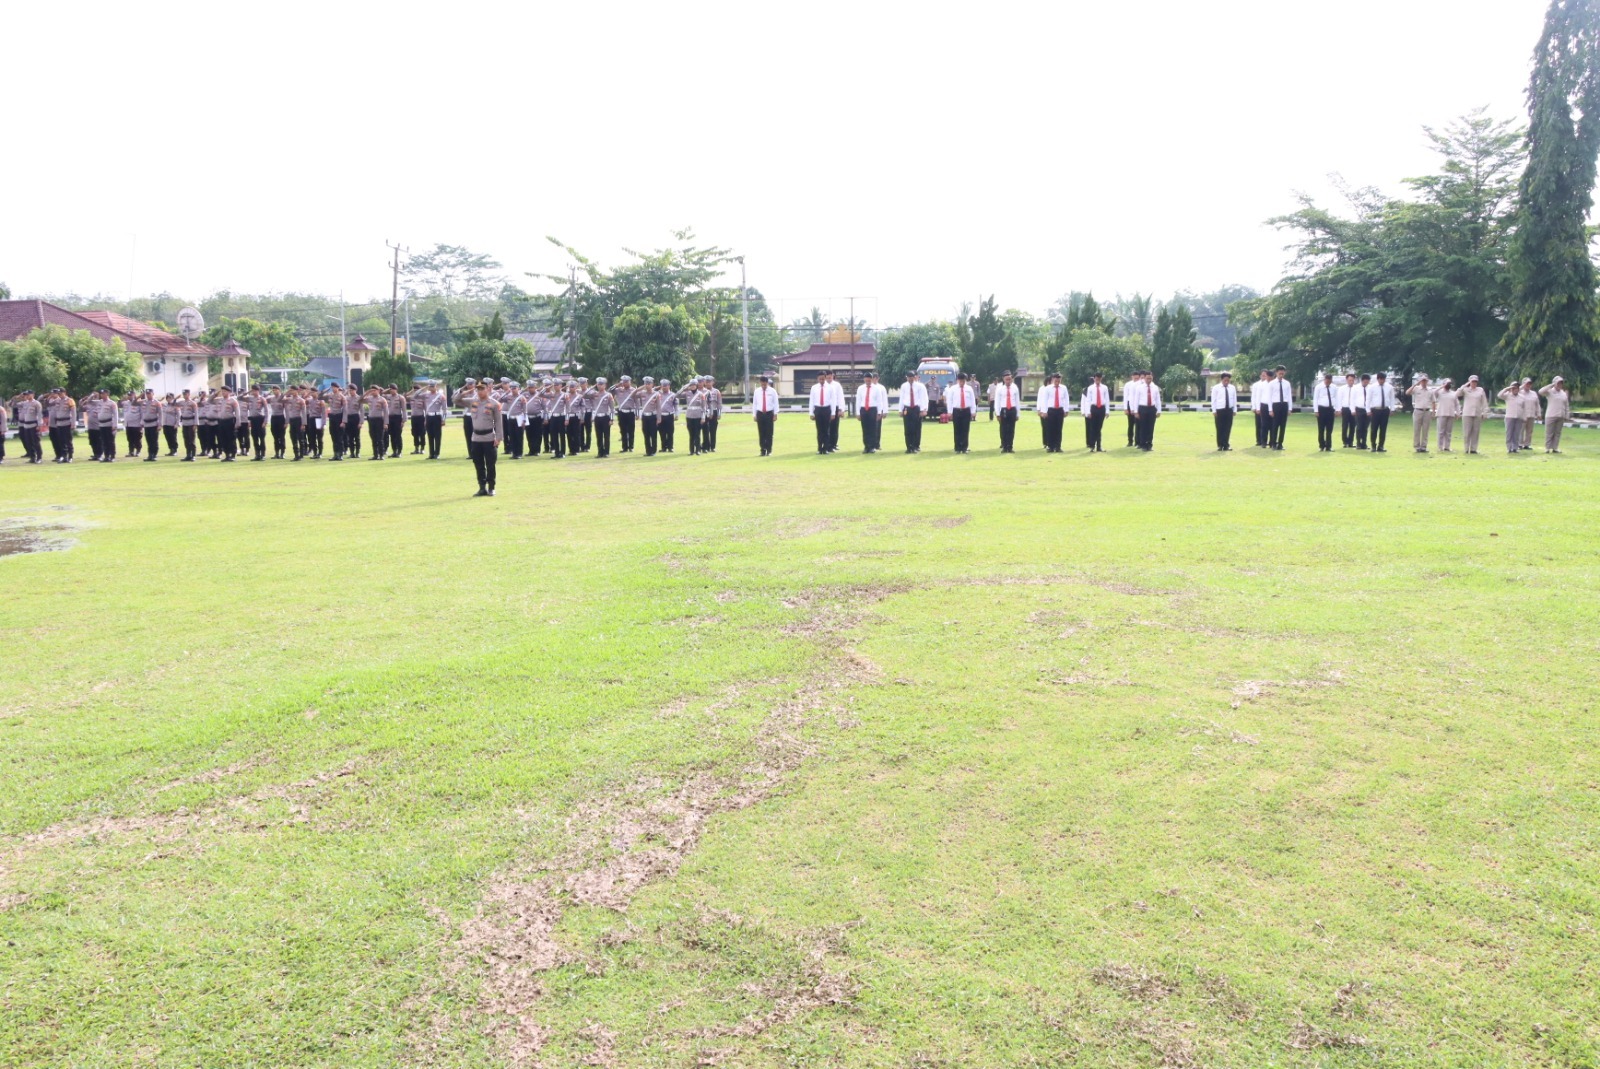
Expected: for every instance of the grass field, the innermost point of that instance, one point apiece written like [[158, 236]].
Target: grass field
[[1119, 760]]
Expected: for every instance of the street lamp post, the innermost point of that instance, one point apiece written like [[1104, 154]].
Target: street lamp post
[[342, 353], [744, 312]]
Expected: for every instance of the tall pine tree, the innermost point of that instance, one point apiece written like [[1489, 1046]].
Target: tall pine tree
[[1552, 327]]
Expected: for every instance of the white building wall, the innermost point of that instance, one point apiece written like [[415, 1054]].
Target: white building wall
[[173, 375]]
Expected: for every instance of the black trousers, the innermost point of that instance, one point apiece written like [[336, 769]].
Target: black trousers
[[278, 427], [188, 441], [1379, 433], [708, 433], [434, 427], [397, 429], [375, 431], [871, 429], [588, 431], [314, 437], [297, 436], [336, 432], [1094, 429], [466, 426], [911, 424], [208, 438], [764, 425], [555, 436], [1325, 428], [102, 442], [602, 435], [1133, 425], [665, 426], [1008, 430], [696, 425], [515, 437], [170, 433], [241, 436], [625, 423], [228, 437], [533, 435], [833, 431], [61, 441], [352, 434], [1263, 427], [152, 441], [1147, 427], [1361, 428], [258, 434], [1280, 421], [31, 447], [574, 434], [1051, 425], [1347, 427], [483, 457], [135, 440], [419, 432], [822, 416], [1224, 421], [961, 421], [649, 426]]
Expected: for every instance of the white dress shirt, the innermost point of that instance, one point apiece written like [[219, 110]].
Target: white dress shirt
[[1005, 397], [766, 399], [1280, 392], [959, 396], [821, 396], [836, 395], [914, 395], [1342, 396], [1053, 397], [1325, 396], [1130, 389], [1152, 395], [1258, 394], [1224, 397], [1385, 395], [1095, 395]]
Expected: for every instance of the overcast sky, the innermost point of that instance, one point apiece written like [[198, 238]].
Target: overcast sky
[[912, 155]]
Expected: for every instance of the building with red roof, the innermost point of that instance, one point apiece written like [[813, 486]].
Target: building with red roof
[[171, 364]]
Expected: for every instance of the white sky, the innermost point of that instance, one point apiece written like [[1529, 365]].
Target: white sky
[[912, 154]]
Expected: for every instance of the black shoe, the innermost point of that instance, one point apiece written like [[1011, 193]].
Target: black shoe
[[481, 492], [149, 460]]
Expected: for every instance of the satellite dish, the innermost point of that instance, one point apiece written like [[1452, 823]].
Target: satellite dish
[[191, 323]]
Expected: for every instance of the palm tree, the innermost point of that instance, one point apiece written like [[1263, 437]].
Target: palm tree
[[1135, 315]]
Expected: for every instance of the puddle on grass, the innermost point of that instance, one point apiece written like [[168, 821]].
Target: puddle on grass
[[34, 535]]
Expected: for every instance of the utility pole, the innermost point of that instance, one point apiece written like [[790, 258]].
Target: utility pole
[[852, 338], [342, 351], [572, 315], [408, 329], [394, 305], [744, 313]]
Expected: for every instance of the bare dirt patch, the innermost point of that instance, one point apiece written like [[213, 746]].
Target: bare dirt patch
[[1307, 1036], [24, 534]]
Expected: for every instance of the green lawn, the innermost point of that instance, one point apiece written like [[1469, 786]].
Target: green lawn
[[1119, 760]]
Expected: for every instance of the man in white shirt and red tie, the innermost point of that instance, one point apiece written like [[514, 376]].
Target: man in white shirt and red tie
[[1007, 405], [1129, 406], [1224, 403], [1149, 412], [961, 400], [1325, 400], [765, 404], [1096, 406], [822, 413], [871, 402], [836, 401], [1280, 395], [913, 406], [1051, 405]]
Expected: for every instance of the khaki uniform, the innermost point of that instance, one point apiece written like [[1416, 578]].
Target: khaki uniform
[[1474, 410], [1423, 399], [1447, 411], [1558, 410]]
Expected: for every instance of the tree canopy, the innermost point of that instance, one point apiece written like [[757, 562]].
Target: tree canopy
[[902, 350], [1552, 326], [1088, 350], [55, 356]]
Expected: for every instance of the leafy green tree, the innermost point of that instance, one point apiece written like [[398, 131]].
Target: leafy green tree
[[1173, 343], [452, 271], [1398, 284], [1078, 309], [1177, 381], [811, 329], [1210, 312], [985, 354], [270, 344], [485, 359], [495, 329], [902, 350], [1553, 309], [391, 369], [5, 292], [1029, 336], [1091, 349], [55, 356], [1136, 315], [653, 339], [29, 364]]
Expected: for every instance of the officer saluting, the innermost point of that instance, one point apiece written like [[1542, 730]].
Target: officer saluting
[[483, 418]]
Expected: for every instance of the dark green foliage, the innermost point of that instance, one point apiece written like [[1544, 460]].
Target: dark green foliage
[[1552, 323], [390, 370], [54, 356], [985, 353], [484, 359], [652, 339], [270, 344], [1091, 349], [1173, 343], [902, 350]]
